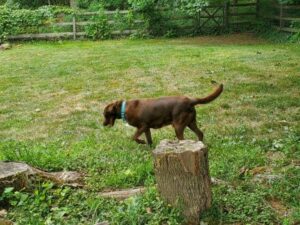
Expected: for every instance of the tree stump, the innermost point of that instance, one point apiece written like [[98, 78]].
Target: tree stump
[[182, 175], [5, 46], [14, 175], [20, 175]]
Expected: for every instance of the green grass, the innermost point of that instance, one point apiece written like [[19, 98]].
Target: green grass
[[51, 99]]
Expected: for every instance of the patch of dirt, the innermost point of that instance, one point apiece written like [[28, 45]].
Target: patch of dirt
[[259, 170], [296, 162], [5, 46], [3, 213], [266, 178], [70, 104], [275, 156], [236, 39], [6, 222], [279, 208]]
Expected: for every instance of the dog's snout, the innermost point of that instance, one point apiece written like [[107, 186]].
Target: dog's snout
[[105, 123]]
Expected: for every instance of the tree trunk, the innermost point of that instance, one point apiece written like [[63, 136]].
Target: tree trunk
[[182, 175]]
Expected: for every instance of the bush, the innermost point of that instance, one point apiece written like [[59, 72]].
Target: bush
[[18, 21], [107, 4], [100, 29], [33, 4]]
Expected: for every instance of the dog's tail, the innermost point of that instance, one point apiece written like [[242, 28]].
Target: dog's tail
[[209, 98]]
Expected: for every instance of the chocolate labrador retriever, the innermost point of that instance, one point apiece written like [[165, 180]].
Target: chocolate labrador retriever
[[156, 113]]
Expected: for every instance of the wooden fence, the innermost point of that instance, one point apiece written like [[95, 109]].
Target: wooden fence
[[218, 17], [75, 27], [222, 16], [283, 18]]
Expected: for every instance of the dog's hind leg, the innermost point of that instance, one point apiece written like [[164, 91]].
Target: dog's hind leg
[[148, 136], [196, 130]]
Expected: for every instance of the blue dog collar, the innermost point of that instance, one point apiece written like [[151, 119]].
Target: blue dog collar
[[123, 109]]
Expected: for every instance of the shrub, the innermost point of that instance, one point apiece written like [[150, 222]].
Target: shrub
[[107, 4], [33, 4], [18, 21], [100, 28]]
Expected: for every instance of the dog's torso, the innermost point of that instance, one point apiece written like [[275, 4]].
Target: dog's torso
[[156, 113]]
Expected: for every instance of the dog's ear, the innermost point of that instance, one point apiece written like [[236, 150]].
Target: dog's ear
[[111, 108], [117, 106], [110, 114]]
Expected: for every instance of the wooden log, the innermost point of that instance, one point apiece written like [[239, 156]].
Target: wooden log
[[123, 194], [182, 175], [20, 175]]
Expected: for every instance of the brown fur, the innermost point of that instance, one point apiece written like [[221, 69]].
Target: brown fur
[[156, 113]]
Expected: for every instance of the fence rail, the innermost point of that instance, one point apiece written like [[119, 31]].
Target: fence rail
[[284, 21], [105, 12], [84, 23], [287, 6]]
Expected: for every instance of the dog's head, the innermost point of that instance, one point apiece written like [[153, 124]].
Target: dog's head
[[111, 113]]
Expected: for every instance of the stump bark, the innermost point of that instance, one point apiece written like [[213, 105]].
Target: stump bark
[[182, 175]]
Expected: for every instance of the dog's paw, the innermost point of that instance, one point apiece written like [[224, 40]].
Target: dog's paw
[[140, 141]]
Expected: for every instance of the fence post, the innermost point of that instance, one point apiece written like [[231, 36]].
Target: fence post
[[226, 15], [199, 22], [74, 27], [257, 9], [73, 4], [280, 17]]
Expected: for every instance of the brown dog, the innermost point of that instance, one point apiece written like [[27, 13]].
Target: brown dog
[[156, 113]]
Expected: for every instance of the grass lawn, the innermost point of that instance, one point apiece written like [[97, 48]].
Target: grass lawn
[[51, 99]]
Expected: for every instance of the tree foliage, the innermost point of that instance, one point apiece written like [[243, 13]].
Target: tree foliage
[[32, 4]]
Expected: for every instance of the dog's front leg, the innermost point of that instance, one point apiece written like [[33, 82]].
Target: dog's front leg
[[148, 136], [179, 129], [137, 134]]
